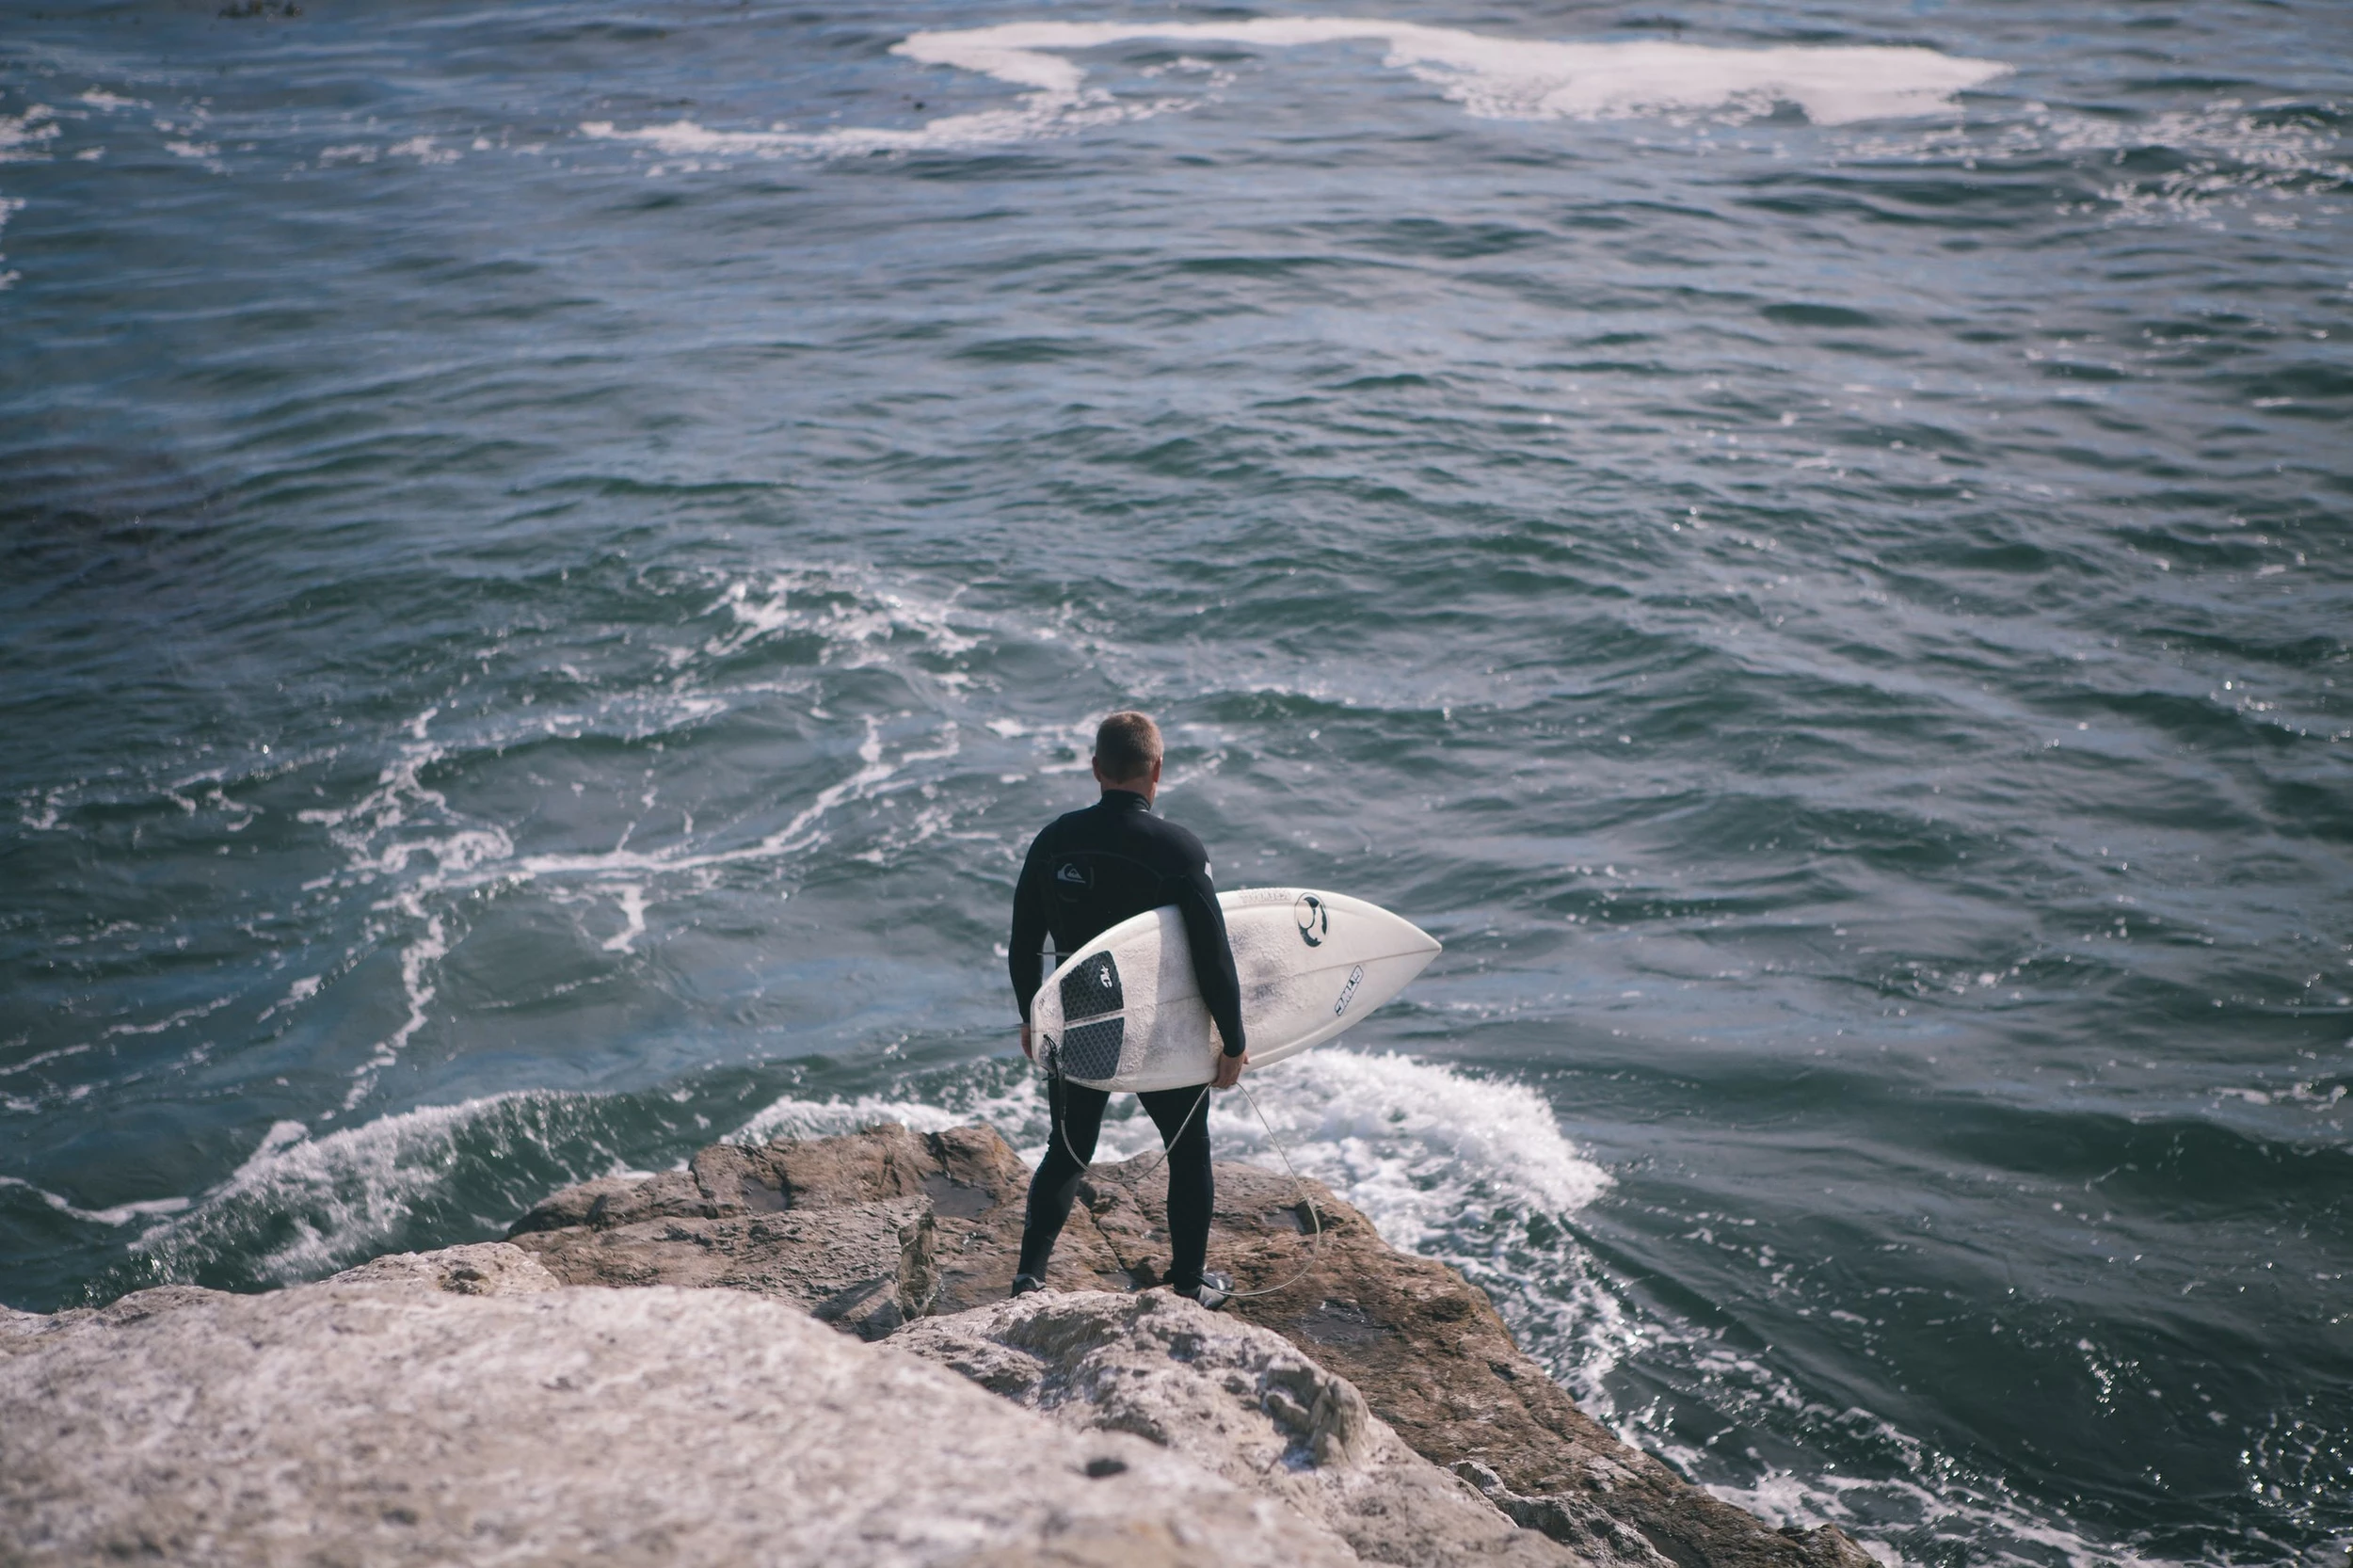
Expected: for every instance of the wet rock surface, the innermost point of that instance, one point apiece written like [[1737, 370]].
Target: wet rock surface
[[1425, 1349], [1434, 1360]]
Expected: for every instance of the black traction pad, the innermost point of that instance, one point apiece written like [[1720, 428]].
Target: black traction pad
[[1092, 991], [1092, 1050]]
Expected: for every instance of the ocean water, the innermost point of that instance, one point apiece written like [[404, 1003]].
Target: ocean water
[[555, 556]]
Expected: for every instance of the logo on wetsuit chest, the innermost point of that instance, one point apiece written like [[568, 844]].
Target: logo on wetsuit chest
[[1071, 874]]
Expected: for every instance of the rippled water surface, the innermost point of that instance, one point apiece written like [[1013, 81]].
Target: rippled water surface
[[556, 553]]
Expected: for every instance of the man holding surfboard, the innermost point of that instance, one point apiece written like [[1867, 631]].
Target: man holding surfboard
[[1085, 873]]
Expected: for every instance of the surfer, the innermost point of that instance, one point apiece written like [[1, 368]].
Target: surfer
[[1086, 872]]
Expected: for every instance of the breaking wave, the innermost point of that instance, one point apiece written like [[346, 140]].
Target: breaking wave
[[1491, 77]]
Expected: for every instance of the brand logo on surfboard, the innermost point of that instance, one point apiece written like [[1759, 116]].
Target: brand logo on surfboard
[[1348, 992], [1314, 920]]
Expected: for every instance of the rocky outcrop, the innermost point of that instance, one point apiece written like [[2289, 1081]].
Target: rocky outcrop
[[1361, 1405], [1240, 1402], [1425, 1347], [485, 1269], [1435, 1360], [462, 1407], [846, 1227]]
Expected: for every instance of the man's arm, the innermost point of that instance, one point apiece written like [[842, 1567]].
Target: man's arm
[[1213, 952], [1024, 958]]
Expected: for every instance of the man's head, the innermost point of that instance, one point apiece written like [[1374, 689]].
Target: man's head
[[1128, 754]]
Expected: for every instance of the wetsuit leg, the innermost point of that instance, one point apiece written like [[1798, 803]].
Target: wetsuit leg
[[1192, 1186], [1077, 1114]]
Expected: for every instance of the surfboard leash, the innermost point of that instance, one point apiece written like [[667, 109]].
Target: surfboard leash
[[1315, 1214]]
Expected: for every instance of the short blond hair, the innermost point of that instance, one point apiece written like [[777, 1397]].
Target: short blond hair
[[1126, 747]]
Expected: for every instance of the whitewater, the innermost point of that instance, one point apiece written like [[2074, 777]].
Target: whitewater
[[556, 556]]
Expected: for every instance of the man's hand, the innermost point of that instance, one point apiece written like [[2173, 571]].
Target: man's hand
[[1027, 1049], [1229, 1069]]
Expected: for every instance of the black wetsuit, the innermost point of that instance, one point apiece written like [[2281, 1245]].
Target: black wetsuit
[[1085, 873]]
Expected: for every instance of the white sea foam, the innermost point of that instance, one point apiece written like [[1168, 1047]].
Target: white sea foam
[[120, 1214], [299, 992], [406, 832], [316, 1204], [1942, 1520], [1904, 1500], [10, 207], [1017, 1111], [1429, 1154], [1422, 1149], [1516, 78], [41, 1058], [417, 988], [301, 1207], [187, 1014], [2227, 156], [1472, 1170], [1491, 77], [424, 150], [24, 137], [633, 899]]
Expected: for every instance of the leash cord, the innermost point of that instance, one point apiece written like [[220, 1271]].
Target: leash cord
[[1315, 1214]]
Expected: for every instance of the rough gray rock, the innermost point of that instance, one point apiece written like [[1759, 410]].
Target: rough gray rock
[[639, 1231], [1424, 1347], [1435, 1359], [484, 1269], [865, 1267], [1240, 1401], [390, 1416]]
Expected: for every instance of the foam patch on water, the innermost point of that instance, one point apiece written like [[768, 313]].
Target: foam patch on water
[[118, 1214], [10, 207], [2227, 156], [1017, 1111], [417, 854], [1473, 1171], [24, 137], [1516, 78], [405, 833], [1421, 1149], [300, 1207], [1904, 1500], [1491, 77], [1943, 1518], [1428, 1153]]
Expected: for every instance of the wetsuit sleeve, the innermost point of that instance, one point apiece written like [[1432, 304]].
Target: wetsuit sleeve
[[1022, 955], [1212, 951]]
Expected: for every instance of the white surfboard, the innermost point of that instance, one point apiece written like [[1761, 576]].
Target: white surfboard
[[1123, 1012]]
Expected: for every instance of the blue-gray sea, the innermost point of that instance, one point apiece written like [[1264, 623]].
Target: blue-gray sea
[[554, 555]]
